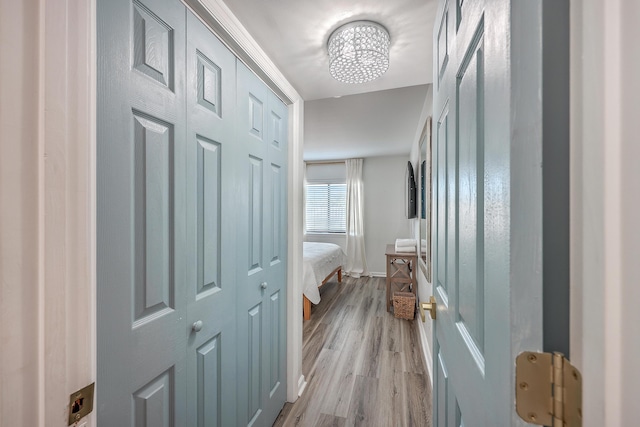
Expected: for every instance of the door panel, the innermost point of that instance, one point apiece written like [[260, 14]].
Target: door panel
[[442, 43], [209, 217], [471, 195], [459, 333], [276, 250], [154, 403], [153, 158], [211, 207], [274, 338], [488, 182], [252, 97], [254, 368], [153, 41], [440, 183], [256, 213], [262, 252], [209, 383], [141, 150], [441, 386], [275, 228]]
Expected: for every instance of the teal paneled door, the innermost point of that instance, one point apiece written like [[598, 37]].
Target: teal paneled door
[[211, 228], [191, 226], [141, 223], [262, 242], [488, 204]]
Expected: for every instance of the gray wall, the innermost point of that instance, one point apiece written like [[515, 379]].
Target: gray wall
[[385, 210]]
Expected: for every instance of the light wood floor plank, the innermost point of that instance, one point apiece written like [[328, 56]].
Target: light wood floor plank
[[418, 408], [362, 411], [327, 420], [363, 366], [344, 375], [314, 346], [371, 355], [412, 350], [392, 399]]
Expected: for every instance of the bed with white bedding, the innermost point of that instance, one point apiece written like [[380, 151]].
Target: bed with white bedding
[[320, 262]]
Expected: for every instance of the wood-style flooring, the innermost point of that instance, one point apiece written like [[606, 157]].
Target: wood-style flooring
[[363, 366]]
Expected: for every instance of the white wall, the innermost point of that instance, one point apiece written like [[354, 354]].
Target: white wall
[[385, 207], [19, 264]]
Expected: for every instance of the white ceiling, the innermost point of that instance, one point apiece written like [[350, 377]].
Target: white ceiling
[[372, 124], [294, 33]]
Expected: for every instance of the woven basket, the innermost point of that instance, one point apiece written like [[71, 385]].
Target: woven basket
[[404, 305]]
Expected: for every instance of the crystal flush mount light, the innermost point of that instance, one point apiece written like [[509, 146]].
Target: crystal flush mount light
[[358, 52]]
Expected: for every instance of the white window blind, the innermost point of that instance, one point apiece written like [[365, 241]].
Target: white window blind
[[326, 208]]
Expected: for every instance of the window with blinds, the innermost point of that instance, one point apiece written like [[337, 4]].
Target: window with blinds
[[326, 208]]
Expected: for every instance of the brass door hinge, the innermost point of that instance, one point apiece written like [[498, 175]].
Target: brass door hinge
[[548, 390]]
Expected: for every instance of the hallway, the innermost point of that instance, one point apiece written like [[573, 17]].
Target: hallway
[[362, 365]]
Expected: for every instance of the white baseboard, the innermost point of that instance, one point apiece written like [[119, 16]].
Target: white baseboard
[[302, 384], [426, 351]]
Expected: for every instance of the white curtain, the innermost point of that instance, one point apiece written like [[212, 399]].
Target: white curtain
[[356, 258]]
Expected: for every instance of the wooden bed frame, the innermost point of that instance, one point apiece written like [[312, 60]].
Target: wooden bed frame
[[306, 304]]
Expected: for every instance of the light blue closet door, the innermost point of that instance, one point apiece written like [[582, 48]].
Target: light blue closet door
[[262, 242], [141, 159], [191, 226], [488, 203], [211, 211]]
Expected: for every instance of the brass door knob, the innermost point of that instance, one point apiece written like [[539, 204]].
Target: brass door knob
[[428, 306]]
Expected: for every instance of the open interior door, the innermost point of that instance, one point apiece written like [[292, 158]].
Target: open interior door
[[500, 201]]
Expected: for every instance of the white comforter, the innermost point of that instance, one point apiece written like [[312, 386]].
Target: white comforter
[[320, 259]]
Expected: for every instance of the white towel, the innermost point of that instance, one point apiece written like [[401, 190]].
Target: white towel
[[405, 245], [405, 242]]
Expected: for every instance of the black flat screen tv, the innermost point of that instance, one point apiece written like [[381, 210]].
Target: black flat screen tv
[[411, 192]]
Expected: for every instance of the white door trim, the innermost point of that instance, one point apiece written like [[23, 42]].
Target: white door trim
[[60, 40], [604, 204]]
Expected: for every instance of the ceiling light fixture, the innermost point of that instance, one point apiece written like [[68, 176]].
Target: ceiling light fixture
[[358, 52]]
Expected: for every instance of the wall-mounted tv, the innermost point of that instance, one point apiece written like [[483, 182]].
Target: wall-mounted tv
[[411, 192]]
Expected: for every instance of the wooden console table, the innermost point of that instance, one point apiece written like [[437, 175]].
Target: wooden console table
[[401, 273]]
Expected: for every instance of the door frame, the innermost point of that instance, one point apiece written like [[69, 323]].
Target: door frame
[[604, 227]]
